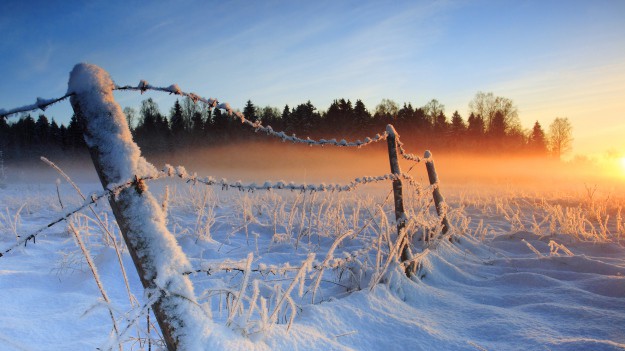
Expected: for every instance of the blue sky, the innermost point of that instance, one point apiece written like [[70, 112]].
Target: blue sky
[[552, 58]]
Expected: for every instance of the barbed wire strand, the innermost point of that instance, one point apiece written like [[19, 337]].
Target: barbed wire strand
[[214, 103], [41, 104], [180, 172], [92, 199], [258, 126]]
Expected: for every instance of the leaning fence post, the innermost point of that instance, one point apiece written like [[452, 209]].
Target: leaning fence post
[[439, 201], [400, 215], [158, 259]]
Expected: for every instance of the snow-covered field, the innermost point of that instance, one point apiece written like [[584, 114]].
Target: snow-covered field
[[285, 270]]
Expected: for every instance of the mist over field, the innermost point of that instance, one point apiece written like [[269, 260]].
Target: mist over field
[[534, 244], [260, 161]]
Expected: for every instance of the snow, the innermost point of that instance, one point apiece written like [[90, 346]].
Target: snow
[[93, 89], [482, 291]]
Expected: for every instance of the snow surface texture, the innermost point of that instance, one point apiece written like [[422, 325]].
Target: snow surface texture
[[489, 291]]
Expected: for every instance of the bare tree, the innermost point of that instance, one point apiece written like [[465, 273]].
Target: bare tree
[[498, 112], [131, 116], [387, 109], [560, 136], [189, 108], [433, 109]]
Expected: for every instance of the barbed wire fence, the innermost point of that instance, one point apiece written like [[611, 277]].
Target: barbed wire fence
[[113, 191], [144, 86]]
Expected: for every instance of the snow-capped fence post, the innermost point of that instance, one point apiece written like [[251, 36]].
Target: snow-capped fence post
[[158, 258], [400, 215], [439, 201]]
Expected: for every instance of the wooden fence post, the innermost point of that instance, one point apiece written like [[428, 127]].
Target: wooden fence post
[[438, 198], [158, 259], [400, 215]]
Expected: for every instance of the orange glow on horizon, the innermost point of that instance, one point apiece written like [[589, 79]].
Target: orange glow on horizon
[[257, 162]]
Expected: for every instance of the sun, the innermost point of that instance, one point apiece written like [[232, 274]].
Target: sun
[[622, 163]]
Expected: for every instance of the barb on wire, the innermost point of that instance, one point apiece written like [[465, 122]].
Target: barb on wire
[[41, 104]]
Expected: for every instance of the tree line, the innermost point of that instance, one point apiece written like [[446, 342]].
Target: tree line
[[492, 127]]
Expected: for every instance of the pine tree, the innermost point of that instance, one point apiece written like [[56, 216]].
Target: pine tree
[[153, 129], [65, 143], [441, 125], [287, 118], [197, 122], [421, 122], [537, 141], [249, 111], [177, 121], [270, 116], [42, 130], [55, 134], [476, 126], [25, 129], [286, 113], [362, 117], [4, 134], [75, 134], [458, 127], [497, 128], [303, 119], [405, 116], [332, 118]]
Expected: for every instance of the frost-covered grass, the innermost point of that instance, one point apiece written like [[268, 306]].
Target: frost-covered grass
[[319, 271]]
